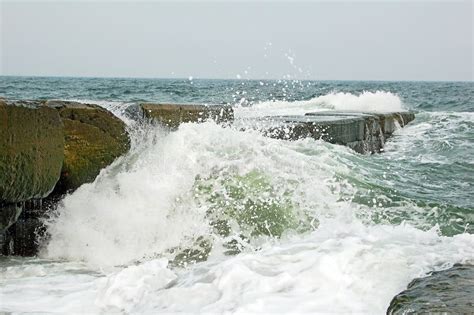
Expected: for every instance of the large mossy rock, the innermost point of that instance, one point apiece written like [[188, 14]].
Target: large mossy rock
[[31, 150], [94, 138], [172, 115]]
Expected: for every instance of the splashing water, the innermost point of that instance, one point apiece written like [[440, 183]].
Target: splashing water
[[378, 101]]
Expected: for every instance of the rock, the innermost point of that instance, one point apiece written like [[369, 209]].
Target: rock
[[31, 150], [31, 156], [94, 138], [23, 237], [172, 115], [449, 291], [9, 214], [46, 145]]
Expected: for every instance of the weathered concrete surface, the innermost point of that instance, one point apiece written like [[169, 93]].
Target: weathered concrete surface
[[363, 132], [172, 115], [94, 138], [449, 291]]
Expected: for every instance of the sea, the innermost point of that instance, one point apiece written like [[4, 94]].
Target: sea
[[215, 219]]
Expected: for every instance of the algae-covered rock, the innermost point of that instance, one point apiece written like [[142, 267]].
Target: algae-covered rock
[[94, 138], [31, 150], [172, 115]]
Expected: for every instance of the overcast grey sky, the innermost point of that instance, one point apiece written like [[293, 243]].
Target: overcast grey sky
[[350, 40]]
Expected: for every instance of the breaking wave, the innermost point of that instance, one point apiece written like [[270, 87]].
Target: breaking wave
[[379, 101]]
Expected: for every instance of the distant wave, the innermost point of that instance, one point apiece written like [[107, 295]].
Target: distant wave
[[379, 101]]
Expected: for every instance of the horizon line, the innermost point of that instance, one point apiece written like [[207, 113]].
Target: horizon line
[[230, 79]]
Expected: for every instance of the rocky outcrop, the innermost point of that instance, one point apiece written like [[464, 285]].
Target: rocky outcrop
[[94, 138], [363, 132], [31, 155], [172, 115], [48, 148], [449, 291]]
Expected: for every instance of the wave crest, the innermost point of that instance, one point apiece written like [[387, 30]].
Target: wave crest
[[378, 101]]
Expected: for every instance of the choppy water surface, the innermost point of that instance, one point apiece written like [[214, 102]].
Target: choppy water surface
[[212, 219]]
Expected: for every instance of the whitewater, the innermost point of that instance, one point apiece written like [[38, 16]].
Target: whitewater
[[311, 227]]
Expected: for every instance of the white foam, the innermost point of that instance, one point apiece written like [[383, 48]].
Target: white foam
[[343, 267], [125, 289], [133, 209], [340, 268], [144, 204], [379, 101]]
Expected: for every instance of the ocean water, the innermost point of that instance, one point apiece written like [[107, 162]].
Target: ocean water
[[212, 219]]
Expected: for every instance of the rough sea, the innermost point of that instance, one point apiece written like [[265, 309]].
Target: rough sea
[[211, 219]]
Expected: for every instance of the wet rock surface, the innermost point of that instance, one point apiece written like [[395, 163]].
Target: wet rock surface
[[23, 237], [9, 214], [449, 291]]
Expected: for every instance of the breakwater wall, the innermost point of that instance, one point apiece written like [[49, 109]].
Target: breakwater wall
[[50, 148], [362, 132]]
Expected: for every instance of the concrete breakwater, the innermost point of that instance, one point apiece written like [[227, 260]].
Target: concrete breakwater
[[49, 148], [362, 132]]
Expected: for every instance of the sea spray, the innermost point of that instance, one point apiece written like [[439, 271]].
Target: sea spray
[[379, 101], [150, 202]]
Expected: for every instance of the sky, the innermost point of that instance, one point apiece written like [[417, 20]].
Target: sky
[[322, 40]]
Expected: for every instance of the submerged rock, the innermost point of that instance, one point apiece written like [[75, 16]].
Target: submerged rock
[[449, 291], [172, 115], [94, 138]]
